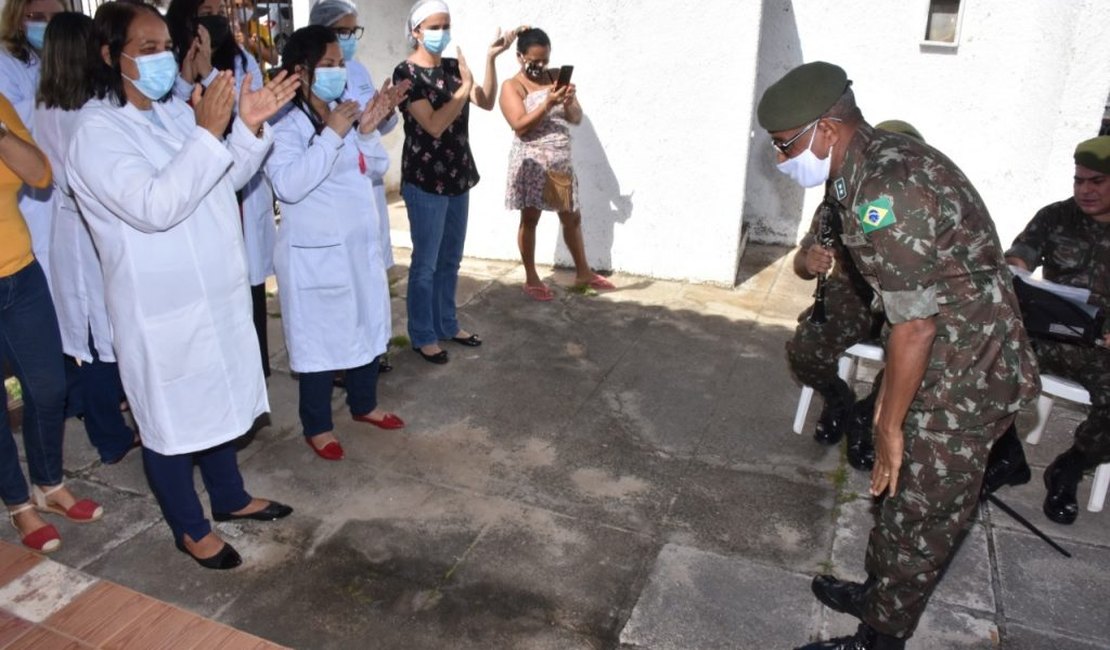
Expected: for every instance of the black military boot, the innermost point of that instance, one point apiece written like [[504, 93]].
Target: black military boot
[[834, 415], [865, 638], [1061, 479], [841, 596], [1006, 464], [861, 449]]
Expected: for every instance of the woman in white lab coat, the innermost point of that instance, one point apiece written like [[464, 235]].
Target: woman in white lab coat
[[22, 30], [156, 182], [69, 55], [204, 44], [331, 275]]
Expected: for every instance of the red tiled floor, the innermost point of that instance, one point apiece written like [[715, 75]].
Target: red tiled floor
[[163, 627], [11, 628], [100, 613], [231, 639], [15, 561], [41, 638]]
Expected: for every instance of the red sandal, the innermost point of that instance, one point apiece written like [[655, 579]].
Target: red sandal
[[82, 512], [44, 539]]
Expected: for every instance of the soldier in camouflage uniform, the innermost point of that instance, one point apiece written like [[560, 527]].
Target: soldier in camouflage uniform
[[816, 348], [958, 362], [1071, 239]]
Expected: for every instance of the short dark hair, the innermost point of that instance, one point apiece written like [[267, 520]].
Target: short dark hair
[[70, 56], [530, 37], [113, 21], [305, 48], [181, 17]]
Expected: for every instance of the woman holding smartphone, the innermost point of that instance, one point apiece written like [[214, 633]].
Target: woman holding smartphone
[[540, 105]]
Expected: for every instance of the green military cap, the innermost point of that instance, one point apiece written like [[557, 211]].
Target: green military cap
[[803, 95], [1094, 154], [898, 126]]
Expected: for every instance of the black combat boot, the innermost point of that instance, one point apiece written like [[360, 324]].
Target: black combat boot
[[1006, 464], [861, 449], [1061, 479], [834, 415], [841, 596], [865, 638]]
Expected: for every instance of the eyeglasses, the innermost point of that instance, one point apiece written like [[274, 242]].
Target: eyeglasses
[[344, 32], [784, 147]]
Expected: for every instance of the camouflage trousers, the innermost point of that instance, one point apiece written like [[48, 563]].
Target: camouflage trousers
[[815, 349], [1089, 367], [919, 528]]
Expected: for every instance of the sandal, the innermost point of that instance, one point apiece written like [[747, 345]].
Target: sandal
[[44, 539], [82, 512], [597, 283], [540, 294]]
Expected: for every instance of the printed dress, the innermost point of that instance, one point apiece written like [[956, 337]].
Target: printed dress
[[545, 147]]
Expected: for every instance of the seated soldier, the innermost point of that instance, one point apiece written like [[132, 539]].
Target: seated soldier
[[1071, 240], [849, 319]]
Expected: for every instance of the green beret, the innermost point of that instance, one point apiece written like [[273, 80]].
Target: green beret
[[898, 126], [1094, 154], [803, 95]]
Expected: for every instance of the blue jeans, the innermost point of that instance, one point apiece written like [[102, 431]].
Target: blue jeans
[[171, 479], [31, 345], [437, 224], [315, 396], [100, 391]]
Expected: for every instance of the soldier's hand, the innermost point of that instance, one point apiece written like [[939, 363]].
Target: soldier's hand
[[889, 446], [818, 259]]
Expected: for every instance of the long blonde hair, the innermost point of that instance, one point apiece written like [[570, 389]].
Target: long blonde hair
[[12, 35]]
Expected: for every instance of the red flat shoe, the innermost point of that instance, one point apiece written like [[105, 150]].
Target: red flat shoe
[[44, 540], [82, 512], [331, 451], [390, 421]]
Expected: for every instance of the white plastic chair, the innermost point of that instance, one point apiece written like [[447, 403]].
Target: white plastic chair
[[846, 370], [1053, 387]]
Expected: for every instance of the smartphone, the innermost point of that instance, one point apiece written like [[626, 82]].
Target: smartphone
[[564, 76]]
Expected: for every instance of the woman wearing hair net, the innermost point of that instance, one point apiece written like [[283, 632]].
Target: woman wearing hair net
[[437, 170]]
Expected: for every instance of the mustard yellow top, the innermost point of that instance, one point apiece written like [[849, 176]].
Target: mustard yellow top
[[15, 239]]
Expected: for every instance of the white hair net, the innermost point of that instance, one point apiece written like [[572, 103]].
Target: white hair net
[[329, 12], [420, 12]]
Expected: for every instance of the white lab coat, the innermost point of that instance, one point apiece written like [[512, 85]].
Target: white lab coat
[[331, 278], [259, 229], [19, 82], [160, 203], [360, 87], [75, 279]]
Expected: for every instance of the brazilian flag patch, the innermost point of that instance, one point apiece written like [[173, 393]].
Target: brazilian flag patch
[[876, 215]]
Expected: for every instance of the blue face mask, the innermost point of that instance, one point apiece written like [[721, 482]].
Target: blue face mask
[[36, 34], [436, 40], [156, 74], [329, 83], [348, 45]]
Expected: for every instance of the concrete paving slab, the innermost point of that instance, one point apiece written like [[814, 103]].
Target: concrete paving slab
[[1020, 637], [125, 516], [698, 599], [1049, 592]]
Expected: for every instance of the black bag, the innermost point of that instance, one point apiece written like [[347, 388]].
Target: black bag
[[1051, 316]]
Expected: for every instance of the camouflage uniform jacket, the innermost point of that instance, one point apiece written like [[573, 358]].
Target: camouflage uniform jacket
[[1073, 247], [923, 239]]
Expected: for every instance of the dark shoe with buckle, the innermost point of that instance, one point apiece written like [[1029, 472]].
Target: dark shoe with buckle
[[840, 595], [471, 341], [271, 512], [834, 414], [1061, 479], [1006, 464], [226, 558], [439, 358], [865, 638]]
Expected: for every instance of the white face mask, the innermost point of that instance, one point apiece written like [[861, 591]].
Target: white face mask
[[806, 168]]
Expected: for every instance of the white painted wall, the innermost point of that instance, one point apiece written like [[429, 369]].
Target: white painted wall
[[669, 159]]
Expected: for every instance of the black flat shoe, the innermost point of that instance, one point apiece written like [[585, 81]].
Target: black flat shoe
[[471, 341], [840, 595], [271, 512], [227, 558], [384, 365], [439, 358]]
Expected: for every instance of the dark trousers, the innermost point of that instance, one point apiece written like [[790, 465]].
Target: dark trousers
[[258, 304], [171, 479], [100, 391], [31, 345], [315, 396]]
